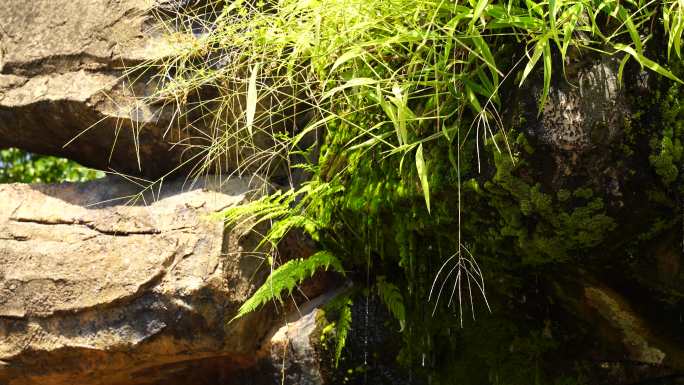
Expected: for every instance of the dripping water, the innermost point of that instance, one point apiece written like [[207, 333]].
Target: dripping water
[[366, 320]]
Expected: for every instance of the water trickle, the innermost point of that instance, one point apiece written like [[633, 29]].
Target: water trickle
[[366, 321], [365, 343]]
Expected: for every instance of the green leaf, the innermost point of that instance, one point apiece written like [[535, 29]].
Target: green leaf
[[547, 77], [621, 69], [286, 277], [553, 10], [477, 13], [648, 63], [568, 28], [394, 301], [403, 114], [421, 167], [342, 327], [631, 28], [673, 21], [345, 57], [483, 49], [252, 99], [538, 50], [472, 98]]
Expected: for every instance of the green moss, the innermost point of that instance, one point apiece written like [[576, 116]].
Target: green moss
[[658, 227], [667, 158], [659, 197], [563, 195], [583, 192], [667, 148], [544, 230]]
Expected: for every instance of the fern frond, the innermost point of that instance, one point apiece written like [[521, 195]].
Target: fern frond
[[340, 309], [284, 210], [281, 227], [342, 329], [286, 277], [268, 207], [394, 301]]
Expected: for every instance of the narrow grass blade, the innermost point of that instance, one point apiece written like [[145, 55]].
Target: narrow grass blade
[[356, 82]]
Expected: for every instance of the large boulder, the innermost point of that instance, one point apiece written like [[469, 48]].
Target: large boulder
[[81, 80], [95, 291], [64, 90]]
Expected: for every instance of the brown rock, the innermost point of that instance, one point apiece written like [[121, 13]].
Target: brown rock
[[61, 81], [122, 294], [638, 343]]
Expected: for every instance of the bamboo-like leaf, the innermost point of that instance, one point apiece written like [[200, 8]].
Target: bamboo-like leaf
[[421, 167], [631, 28], [648, 63], [345, 57], [621, 69], [472, 99], [538, 50], [547, 77], [477, 12], [568, 28], [252, 99], [483, 49], [553, 10], [390, 111], [673, 21], [403, 114]]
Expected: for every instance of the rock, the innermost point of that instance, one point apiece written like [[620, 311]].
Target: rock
[[97, 292], [637, 341], [293, 354], [585, 113], [577, 129], [63, 90], [298, 342], [78, 80]]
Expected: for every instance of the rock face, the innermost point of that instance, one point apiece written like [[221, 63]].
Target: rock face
[[617, 304], [95, 292], [71, 86], [62, 81]]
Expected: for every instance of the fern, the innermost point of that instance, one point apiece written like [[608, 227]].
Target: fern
[[286, 277], [342, 330], [394, 301], [342, 307], [268, 207], [285, 211]]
